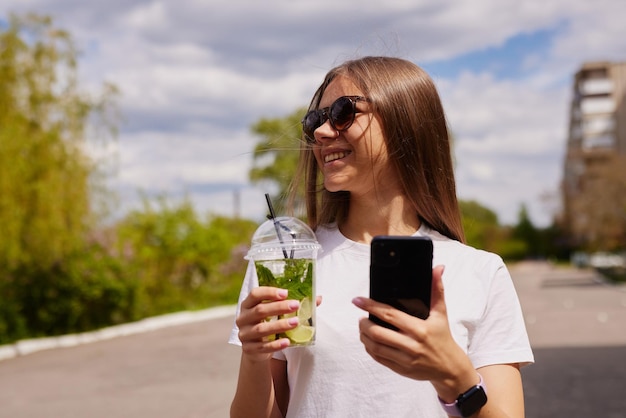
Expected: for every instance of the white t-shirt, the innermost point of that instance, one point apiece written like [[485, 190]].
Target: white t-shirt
[[337, 378]]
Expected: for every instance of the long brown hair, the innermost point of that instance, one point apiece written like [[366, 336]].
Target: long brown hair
[[414, 127]]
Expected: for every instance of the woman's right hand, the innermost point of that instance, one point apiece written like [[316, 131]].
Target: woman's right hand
[[254, 331]]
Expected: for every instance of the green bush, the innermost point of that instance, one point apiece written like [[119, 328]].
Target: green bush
[[80, 292], [154, 261], [180, 262]]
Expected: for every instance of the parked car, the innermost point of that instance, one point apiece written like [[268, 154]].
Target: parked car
[[602, 260]]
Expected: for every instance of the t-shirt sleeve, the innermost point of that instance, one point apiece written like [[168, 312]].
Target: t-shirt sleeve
[[500, 337]]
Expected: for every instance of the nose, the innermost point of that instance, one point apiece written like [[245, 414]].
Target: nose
[[326, 132]]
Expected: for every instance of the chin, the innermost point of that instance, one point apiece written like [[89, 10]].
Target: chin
[[333, 188]]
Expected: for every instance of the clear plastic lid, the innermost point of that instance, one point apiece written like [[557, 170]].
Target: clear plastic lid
[[284, 234]]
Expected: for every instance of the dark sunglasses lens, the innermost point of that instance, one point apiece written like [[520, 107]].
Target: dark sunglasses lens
[[312, 120], [342, 113]]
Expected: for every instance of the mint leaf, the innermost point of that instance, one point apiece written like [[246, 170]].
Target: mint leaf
[[297, 278]]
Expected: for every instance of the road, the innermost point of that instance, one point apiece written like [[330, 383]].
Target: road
[[577, 326]]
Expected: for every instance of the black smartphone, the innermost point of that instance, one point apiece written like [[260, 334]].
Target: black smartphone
[[401, 270]]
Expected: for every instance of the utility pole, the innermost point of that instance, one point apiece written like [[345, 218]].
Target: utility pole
[[236, 203]]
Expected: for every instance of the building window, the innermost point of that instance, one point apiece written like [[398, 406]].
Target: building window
[[598, 142], [594, 105], [596, 86], [598, 125]]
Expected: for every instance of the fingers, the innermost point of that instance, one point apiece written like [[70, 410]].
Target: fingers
[[257, 332], [392, 349], [265, 302], [419, 348], [260, 338], [400, 319], [385, 312], [263, 293]]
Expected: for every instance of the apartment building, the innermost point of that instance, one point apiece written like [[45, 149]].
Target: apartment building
[[597, 133]]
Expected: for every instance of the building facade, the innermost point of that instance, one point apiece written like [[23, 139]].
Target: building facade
[[597, 138]]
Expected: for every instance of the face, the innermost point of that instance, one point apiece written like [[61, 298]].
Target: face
[[353, 159]]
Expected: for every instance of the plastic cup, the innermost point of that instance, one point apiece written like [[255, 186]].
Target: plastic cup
[[284, 252]]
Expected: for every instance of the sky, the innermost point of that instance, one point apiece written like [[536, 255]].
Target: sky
[[194, 75]]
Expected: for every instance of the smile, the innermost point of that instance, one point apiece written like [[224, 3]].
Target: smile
[[336, 156]]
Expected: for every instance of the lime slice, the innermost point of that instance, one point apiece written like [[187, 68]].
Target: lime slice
[[304, 313], [301, 334]]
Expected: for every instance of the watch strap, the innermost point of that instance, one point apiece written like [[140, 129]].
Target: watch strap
[[453, 409]]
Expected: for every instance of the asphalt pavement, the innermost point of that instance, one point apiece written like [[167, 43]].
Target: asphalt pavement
[[576, 323], [184, 367]]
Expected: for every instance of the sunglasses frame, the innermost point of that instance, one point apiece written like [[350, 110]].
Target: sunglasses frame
[[325, 113]]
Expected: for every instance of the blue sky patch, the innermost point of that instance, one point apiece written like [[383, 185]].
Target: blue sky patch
[[516, 59]]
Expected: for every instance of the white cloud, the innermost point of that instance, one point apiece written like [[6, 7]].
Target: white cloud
[[504, 117], [195, 74], [166, 161], [509, 136]]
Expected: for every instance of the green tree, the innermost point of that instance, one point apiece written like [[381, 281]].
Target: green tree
[[483, 230], [46, 178], [276, 155], [480, 224], [525, 232], [45, 174]]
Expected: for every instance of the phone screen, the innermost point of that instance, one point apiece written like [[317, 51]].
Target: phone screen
[[401, 274]]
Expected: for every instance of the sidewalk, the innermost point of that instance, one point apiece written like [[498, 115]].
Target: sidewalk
[[29, 346], [569, 307]]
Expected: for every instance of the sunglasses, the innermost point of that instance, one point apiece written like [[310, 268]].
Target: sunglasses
[[341, 115]]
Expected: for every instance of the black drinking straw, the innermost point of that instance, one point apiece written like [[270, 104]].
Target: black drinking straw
[[272, 216]]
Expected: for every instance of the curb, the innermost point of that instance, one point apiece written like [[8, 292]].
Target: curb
[[29, 346]]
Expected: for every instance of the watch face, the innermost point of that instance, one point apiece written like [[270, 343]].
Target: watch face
[[471, 401]]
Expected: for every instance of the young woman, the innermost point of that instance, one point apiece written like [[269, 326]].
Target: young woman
[[376, 161]]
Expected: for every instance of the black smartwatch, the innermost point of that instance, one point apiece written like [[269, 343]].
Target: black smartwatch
[[468, 403]]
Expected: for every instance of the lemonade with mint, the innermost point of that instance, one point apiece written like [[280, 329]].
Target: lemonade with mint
[[295, 275]]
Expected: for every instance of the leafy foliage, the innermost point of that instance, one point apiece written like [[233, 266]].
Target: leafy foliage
[[46, 178], [180, 262], [276, 154], [297, 276], [157, 260], [482, 230], [61, 271]]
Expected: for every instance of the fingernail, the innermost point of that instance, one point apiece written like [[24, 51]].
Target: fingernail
[[294, 321], [294, 304], [282, 293], [358, 301]]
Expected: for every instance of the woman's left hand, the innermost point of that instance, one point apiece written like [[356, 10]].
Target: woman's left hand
[[420, 349]]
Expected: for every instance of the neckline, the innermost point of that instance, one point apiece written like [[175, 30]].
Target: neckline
[[339, 240]]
